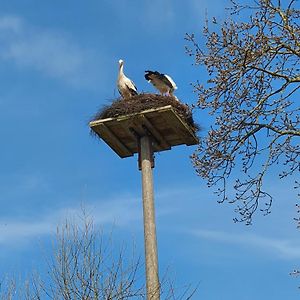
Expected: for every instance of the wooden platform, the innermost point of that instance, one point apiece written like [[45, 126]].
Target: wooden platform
[[163, 124]]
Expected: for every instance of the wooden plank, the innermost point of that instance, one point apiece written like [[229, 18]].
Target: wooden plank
[[148, 112], [184, 131], [155, 132], [129, 116], [127, 125], [112, 140], [163, 123], [135, 127]]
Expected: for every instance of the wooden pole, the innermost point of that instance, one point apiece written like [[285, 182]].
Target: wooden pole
[[146, 161]]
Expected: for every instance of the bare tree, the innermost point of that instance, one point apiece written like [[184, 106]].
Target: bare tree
[[85, 265], [253, 95], [7, 289]]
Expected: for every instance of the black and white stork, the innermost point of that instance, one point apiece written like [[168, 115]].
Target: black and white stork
[[126, 86], [164, 83]]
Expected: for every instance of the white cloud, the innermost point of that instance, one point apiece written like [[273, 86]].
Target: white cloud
[[10, 24], [284, 248], [51, 53], [111, 212], [120, 211], [10, 232]]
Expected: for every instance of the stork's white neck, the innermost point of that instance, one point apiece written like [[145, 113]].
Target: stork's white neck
[[121, 70]]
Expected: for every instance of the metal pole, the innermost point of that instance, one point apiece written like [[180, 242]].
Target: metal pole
[[152, 280]]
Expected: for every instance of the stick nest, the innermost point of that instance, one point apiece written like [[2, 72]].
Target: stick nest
[[141, 102]]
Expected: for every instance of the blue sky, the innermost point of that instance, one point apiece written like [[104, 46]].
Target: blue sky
[[58, 66]]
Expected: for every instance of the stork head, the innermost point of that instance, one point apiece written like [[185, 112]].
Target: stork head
[[121, 62]]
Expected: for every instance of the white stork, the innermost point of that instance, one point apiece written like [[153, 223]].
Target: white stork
[[164, 83], [126, 87]]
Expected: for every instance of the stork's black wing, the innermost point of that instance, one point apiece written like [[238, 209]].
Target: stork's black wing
[[152, 75]]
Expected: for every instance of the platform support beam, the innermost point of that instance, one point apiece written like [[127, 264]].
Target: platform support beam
[[146, 159]]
